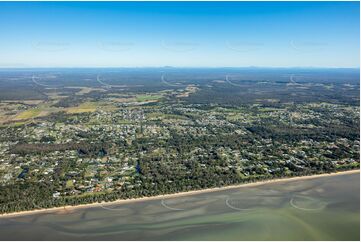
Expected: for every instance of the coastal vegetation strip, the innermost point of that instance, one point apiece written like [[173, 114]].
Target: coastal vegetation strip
[[179, 194]]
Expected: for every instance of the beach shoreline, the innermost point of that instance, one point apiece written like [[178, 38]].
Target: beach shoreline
[[173, 195]]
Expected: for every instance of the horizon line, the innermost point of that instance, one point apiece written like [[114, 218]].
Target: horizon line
[[175, 67]]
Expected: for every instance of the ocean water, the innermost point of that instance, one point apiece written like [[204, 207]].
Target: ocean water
[[323, 208]]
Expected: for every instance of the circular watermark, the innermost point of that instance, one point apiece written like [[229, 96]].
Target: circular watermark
[[243, 46], [108, 207], [166, 82], [179, 46], [306, 203], [105, 85], [169, 207], [228, 80], [307, 46], [179, 204], [36, 81], [115, 46], [50, 46], [237, 204]]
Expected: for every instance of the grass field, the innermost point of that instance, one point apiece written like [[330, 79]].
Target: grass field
[[83, 108], [31, 113], [144, 98], [235, 117]]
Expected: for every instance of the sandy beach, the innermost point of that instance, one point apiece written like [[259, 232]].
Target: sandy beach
[[67, 209]]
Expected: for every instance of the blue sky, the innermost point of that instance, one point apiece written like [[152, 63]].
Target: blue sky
[[195, 34]]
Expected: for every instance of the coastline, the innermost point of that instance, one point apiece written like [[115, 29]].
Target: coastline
[[173, 195]]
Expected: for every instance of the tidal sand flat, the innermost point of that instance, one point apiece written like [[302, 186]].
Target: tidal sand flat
[[322, 208]]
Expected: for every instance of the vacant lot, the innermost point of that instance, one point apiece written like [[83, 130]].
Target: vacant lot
[[82, 108], [31, 113]]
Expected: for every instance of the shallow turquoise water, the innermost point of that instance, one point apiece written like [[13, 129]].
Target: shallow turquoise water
[[325, 208]]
